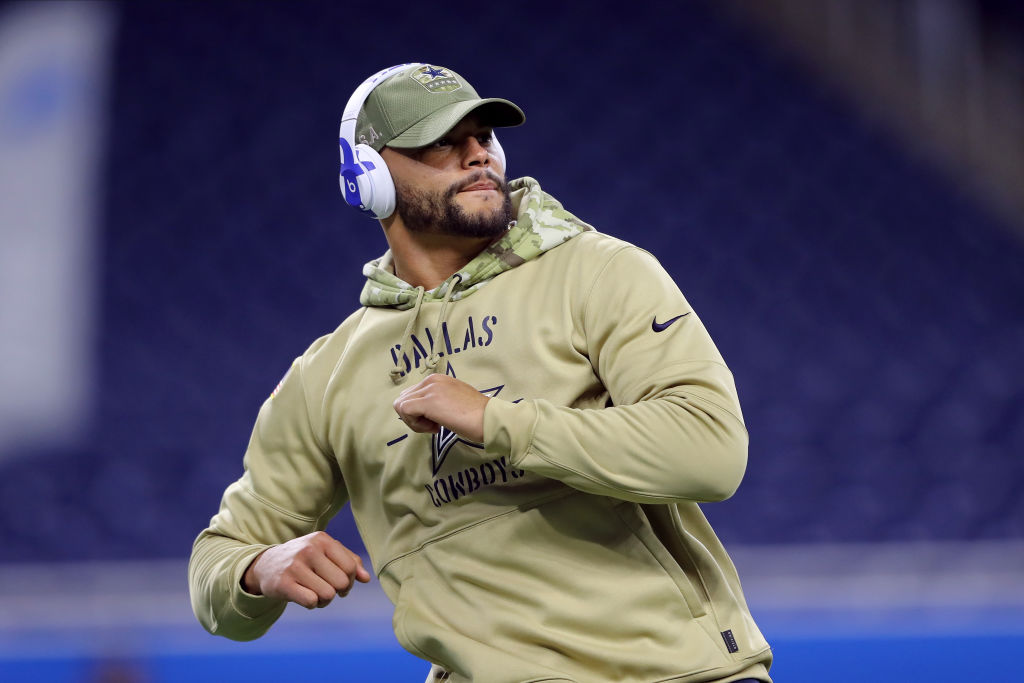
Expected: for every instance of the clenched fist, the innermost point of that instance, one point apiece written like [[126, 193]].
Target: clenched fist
[[309, 570], [440, 400]]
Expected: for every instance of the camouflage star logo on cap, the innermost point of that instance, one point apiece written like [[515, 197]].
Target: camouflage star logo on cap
[[435, 79]]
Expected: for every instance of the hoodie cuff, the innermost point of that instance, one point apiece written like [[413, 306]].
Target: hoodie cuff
[[246, 604], [508, 428]]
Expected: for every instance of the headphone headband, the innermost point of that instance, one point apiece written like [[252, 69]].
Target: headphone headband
[[364, 178], [358, 99]]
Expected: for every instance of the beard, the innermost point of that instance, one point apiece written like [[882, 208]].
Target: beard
[[438, 213]]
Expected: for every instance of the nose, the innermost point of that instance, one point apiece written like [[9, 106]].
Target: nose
[[475, 154]]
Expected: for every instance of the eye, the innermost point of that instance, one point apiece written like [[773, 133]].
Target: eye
[[485, 138], [443, 142]]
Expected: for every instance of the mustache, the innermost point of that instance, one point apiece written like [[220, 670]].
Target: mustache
[[477, 176]]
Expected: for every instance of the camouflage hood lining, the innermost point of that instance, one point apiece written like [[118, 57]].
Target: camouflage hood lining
[[541, 224]]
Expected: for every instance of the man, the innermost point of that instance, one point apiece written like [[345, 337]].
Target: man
[[531, 511]]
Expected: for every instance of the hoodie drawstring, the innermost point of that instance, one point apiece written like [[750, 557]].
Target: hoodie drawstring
[[435, 355], [430, 363], [396, 373]]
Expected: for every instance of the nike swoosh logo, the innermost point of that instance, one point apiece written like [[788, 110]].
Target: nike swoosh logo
[[661, 327]]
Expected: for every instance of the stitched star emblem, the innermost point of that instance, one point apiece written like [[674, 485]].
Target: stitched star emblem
[[433, 72], [445, 439]]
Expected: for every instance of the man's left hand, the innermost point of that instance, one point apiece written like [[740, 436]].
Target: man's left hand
[[440, 400]]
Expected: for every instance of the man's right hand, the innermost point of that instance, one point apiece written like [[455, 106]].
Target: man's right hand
[[309, 570]]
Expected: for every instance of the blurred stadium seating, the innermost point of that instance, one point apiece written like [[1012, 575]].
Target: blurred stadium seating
[[871, 309], [871, 313]]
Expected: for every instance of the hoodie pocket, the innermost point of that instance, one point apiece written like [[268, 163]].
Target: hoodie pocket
[[433, 624], [574, 589], [634, 518]]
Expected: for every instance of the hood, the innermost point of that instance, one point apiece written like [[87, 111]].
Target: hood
[[541, 224]]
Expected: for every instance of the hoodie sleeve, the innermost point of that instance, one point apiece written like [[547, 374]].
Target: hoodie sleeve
[[291, 486], [674, 431]]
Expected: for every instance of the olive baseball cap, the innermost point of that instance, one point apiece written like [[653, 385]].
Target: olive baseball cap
[[417, 106]]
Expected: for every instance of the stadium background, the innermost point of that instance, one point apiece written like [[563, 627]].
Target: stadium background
[[850, 232]]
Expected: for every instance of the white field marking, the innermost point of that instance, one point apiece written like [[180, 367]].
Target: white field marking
[[812, 590], [884, 575]]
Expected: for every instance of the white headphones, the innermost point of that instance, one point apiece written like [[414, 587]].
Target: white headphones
[[364, 178]]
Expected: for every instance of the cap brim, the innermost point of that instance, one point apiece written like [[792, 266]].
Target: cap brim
[[493, 111]]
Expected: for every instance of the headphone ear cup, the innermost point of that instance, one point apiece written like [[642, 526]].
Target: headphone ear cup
[[499, 153], [381, 186], [365, 180]]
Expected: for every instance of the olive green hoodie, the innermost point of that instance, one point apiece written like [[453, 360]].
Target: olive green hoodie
[[568, 546]]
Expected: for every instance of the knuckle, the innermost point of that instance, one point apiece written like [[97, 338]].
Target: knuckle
[[302, 598]]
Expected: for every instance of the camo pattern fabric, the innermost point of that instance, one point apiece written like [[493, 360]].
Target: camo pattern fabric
[[541, 224]]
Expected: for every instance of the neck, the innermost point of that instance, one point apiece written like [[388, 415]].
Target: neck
[[427, 260]]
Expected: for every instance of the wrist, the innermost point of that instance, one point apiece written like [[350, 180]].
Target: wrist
[[250, 582]]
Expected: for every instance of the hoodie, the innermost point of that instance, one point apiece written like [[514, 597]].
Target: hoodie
[[568, 545]]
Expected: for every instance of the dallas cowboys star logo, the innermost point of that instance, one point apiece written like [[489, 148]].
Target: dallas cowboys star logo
[[445, 439], [433, 72]]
